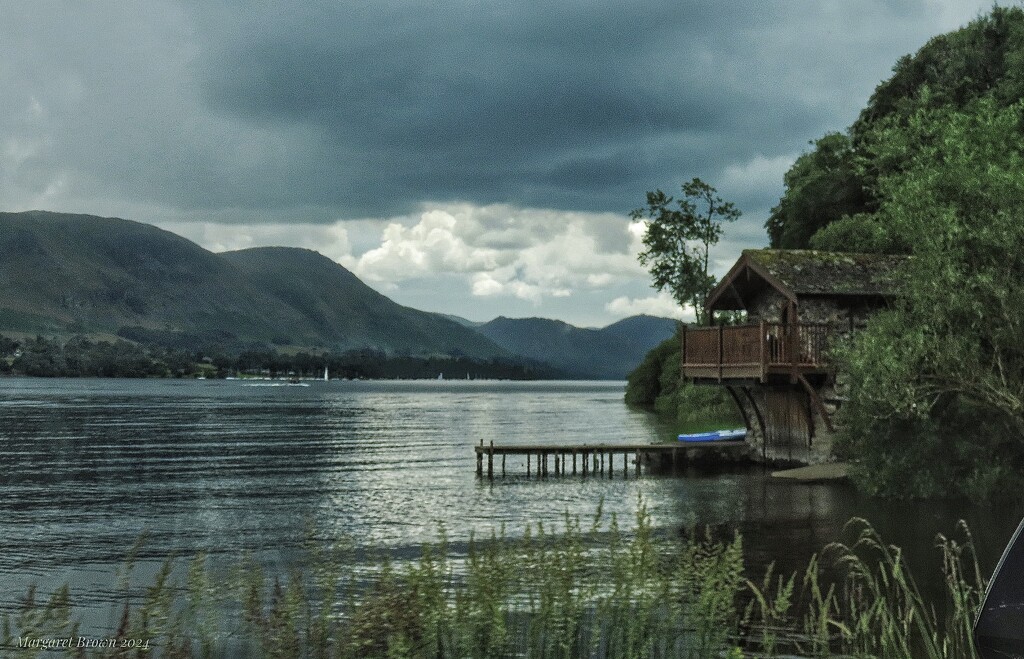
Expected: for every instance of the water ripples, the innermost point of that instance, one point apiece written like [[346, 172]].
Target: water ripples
[[224, 468]]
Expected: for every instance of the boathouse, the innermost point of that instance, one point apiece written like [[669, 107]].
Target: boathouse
[[776, 364]]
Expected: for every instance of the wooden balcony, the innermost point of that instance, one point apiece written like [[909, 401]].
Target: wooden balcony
[[755, 352]]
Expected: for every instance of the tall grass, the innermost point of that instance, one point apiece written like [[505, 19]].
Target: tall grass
[[872, 605], [585, 590]]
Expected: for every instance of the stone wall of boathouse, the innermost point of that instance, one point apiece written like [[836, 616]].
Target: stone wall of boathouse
[[784, 427]]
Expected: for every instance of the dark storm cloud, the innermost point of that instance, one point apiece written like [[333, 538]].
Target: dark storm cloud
[[314, 111], [552, 104]]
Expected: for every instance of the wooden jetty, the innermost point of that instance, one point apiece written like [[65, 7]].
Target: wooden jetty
[[595, 459]]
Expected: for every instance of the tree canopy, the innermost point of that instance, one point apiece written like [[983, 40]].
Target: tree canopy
[[838, 181], [822, 186], [679, 236], [939, 379], [934, 168]]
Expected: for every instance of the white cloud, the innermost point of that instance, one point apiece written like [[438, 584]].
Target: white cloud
[[432, 246], [485, 285], [661, 304], [470, 258], [528, 254]]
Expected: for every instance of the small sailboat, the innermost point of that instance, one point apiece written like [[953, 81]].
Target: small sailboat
[[440, 376], [326, 375]]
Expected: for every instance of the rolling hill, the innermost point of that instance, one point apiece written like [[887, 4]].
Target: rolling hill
[[607, 353], [62, 273], [348, 313]]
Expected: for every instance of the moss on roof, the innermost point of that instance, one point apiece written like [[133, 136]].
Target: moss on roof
[[812, 272]]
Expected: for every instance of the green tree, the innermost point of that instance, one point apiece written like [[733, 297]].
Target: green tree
[[822, 186], [863, 232], [840, 180], [936, 400], [679, 236]]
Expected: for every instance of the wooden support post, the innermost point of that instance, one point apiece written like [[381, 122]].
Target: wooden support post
[[760, 422], [682, 349], [502, 465], [638, 463], [574, 463], [480, 460], [721, 350], [527, 464], [557, 462], [490, 461], [675, 454], [764, 352], [816, 401], [625, 460], [794, 343], [739, 405], [611, 464]]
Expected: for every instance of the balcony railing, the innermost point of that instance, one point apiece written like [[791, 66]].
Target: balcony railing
[[755, 351]]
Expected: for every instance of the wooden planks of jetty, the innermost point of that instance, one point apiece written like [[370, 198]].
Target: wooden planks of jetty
[[593, 459]]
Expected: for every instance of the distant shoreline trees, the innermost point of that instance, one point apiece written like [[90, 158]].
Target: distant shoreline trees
[[84, 357]]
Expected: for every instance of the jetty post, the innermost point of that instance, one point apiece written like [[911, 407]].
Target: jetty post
[[591, 458]]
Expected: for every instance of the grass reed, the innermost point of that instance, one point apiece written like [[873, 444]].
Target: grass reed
[[583, 590]]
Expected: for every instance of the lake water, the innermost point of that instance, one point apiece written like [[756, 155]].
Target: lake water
[[231, 466]]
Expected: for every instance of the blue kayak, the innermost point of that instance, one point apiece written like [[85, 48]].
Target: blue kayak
[[715, 436]]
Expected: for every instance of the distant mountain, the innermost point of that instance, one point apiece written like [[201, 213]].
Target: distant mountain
[[62, 273], [643, 329], [465, 322], [607, 353], [348, 313]]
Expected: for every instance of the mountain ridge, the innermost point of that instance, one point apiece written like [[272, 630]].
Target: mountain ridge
[[61, 271], [610, 352], [72, 274]]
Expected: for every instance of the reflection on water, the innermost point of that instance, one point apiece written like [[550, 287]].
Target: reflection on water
[[223, 467]]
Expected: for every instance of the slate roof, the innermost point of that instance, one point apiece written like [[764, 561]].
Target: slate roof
[[801, 272]]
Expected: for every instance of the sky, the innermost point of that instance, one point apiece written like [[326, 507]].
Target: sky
[[470, 157]]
